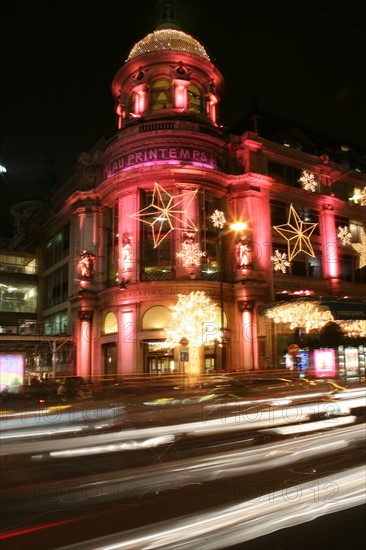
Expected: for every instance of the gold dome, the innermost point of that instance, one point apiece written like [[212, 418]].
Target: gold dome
[[168, 39]]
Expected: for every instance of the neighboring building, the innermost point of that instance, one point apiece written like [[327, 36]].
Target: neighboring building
[[132, 228]]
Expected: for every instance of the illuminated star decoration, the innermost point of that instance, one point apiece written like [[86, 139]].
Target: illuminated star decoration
[[218, 219], [280, 262], [164, 210], [191, 254], [297, 233], [360, 197], [344, 235], [363, 197], [308, 181], [361, 249]]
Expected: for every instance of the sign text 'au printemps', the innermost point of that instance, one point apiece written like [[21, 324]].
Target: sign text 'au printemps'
[[155, 155]]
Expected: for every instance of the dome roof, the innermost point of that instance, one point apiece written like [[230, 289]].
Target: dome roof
[[168, 39]]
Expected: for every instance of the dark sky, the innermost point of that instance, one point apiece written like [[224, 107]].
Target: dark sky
[[304, 60]]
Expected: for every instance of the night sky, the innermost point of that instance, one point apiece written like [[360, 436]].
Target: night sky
[[304, 61]]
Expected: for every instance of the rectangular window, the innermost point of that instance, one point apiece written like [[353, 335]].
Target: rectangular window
[[57, 284], [58, 247]]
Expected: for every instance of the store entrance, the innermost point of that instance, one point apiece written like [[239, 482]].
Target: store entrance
[[159, 364], [158, 358]]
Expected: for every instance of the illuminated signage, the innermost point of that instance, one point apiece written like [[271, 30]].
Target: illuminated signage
[[159, 155], [11, 371], [324, 363]]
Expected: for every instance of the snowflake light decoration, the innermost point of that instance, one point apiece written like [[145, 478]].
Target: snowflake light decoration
[[344, 235], [218, 219], [297, 233], [191, 254], [280, 261], [163, 210], [308, 181], [361, 249]]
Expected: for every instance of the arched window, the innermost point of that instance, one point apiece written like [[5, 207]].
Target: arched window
[[161, 95], [157, 317], [195, 102], [110, 324]]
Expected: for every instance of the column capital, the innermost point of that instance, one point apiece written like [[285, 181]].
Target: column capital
[[246, 305], [85, 315]]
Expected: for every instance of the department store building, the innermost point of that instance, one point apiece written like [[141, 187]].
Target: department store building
[[268, 222]]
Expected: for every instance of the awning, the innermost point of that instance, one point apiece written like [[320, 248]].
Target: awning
[[346, 311]]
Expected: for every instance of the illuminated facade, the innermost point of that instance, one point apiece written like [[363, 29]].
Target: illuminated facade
[[133, 229]]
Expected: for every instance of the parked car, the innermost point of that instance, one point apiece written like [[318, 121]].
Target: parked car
[[28, 396], [74, 387]]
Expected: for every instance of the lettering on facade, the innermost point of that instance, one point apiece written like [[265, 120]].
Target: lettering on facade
[[157, 154], [152, 292]]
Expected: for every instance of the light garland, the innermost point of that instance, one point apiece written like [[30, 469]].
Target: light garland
[[306, 315], [353, 329]]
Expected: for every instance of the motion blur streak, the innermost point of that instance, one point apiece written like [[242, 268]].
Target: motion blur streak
[[126, 446], [176, 474], [226, 526], [240, 420], [309, 427]]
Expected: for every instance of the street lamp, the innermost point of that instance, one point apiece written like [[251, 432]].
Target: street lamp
[[219, 221]]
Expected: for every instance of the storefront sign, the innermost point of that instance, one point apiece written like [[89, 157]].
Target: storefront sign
[[159, 155]]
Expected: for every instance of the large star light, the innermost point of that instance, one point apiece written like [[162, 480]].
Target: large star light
[[164, 210], [297, 234], [361, 249]]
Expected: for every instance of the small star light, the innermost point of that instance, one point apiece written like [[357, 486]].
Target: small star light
[[308, 181], [191, 254], [363, 197], [344, 235], [361, 249], [280, 262], [360, 197], [163, 210], [218, 219], [297, 233]]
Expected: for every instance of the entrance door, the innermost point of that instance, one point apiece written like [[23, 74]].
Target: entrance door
[[159, 363]]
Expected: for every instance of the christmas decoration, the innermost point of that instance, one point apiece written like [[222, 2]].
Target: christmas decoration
[[163, 211], [218, 219], [193, 318], [308, 181], [344, 235], [280, 262], [361, 249], [353, 329], [190, 253], [306, 315], [297, 234], [359, 197]]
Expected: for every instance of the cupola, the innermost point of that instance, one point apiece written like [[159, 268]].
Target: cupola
[[168, 73]]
